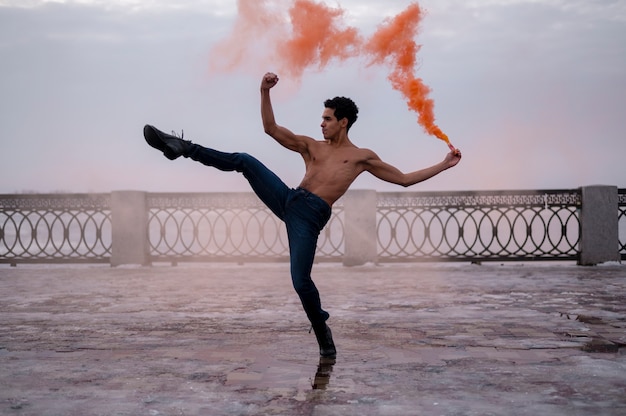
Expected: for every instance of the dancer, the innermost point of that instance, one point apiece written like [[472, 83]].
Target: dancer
[[331, 164]]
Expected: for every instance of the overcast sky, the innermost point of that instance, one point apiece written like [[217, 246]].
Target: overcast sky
[[532, 91]]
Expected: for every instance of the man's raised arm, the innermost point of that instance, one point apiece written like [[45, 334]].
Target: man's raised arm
[[281, 134]]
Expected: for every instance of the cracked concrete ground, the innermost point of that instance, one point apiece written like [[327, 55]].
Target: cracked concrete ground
[[222, 339]]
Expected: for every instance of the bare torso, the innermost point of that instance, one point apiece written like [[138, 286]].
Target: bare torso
[[331, 169]]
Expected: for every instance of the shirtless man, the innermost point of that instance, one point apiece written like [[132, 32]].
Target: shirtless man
[[331, 166]]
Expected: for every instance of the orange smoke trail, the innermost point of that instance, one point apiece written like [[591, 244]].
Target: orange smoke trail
[[317, 36], [393, 41]]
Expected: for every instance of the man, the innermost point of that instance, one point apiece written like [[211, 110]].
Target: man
[[331, 166]]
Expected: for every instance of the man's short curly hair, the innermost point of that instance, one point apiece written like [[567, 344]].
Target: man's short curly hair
[[344, 108]]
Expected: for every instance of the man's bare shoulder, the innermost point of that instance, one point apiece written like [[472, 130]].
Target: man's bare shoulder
[[365, 154]]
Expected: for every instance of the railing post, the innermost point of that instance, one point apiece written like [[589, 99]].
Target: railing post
[[599, 241], [129, 223], [360, 227]]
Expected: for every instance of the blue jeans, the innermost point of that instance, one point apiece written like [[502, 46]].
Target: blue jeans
[[304, 214]]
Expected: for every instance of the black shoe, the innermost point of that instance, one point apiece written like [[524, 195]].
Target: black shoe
[[325, 341], [171, 146]]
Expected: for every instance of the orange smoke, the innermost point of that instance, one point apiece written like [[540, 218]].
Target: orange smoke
[[250, 24], [261, 35], [393, 43], [316, 36]]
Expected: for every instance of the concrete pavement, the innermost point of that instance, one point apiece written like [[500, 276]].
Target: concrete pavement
[[222, 339]]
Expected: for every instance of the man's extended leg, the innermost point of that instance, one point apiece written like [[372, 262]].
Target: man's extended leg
[[265, 183]]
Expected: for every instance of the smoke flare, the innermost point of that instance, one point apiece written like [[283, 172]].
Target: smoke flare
[[315, 34], [393, 43]]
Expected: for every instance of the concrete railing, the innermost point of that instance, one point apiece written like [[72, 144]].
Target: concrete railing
[[599, 226]]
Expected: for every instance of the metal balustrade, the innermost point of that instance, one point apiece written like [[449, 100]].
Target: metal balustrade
[[410, 226], [49, 228], [497, 225], [621, 220], [226, 227]]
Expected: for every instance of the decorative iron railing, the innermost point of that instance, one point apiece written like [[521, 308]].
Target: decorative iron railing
[[410, 226], [476, 226], [621, 206], [226, 227], [48, 228]]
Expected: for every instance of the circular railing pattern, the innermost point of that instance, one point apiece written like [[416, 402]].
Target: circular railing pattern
[[227, 227], [477, 232], [216, 232], [73, 228], [478, 225]]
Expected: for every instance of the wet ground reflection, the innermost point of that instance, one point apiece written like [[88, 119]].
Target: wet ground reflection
[[322, 375]]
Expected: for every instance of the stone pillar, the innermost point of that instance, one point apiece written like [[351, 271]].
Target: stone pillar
[[599, 241], [129, 220], [360, 227]]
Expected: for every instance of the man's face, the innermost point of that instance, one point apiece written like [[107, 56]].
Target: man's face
[[330, 125]]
